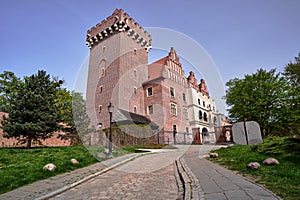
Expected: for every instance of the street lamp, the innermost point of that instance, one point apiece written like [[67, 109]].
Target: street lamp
[[110, 110]]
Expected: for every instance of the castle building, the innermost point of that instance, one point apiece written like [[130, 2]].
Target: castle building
[[119, 73]]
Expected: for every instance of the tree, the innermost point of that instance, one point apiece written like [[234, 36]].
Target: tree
[[292, 71], [263, 97], [73, 115], [8, 85], [33, 114]]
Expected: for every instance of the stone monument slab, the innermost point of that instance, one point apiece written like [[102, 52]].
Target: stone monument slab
[[252, 130]]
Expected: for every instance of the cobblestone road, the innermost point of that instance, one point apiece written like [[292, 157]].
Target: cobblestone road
[[147, 177]]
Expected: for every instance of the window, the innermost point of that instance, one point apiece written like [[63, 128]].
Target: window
[[134, 109], [199, 102], [205, 117], [150, 109], [174, 127], [203, 104], [134, 90], [172, 92], [134, 51], [102, 68], [100, 108], [215, 120], [183, 97], [200, 114], [173, 109], [149, 92], [102, 73], [187, 129], [185, 113], [101, 89]]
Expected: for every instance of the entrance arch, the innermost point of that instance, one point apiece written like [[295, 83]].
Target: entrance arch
[[205, 135]]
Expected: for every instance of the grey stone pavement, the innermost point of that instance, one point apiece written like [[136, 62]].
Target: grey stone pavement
[[215, 182], [146, 176]]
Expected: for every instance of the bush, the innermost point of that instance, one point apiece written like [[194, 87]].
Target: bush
[[278, 146]]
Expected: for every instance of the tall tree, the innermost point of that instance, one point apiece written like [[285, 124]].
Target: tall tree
[[33, 115], [262, 97], [8, 85], [73, 115]]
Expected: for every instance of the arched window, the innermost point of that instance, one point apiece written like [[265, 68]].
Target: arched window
[[134, 109], [199, 101], [205, 116], [200, 114]]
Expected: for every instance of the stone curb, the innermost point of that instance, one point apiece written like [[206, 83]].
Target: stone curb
[[59, 191], [197, 192], [189, 182]]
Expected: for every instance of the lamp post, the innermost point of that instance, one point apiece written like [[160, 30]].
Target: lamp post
[[110, 110]]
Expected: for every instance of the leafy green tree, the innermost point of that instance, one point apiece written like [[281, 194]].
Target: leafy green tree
[[292, 71], [8, 84], [73, 115], [33, 114], [263, 97]]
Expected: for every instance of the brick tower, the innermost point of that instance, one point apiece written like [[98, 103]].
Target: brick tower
[[117, 66]]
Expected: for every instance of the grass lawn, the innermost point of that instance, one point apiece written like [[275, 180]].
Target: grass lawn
[[19, 166], [282, 179]]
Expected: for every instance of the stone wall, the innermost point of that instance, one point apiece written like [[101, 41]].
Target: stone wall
[[53, 141]]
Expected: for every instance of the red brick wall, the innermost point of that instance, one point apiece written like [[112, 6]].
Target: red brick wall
[[53, 141]]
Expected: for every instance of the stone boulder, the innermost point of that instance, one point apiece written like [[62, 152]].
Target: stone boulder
[[50, 166], [74, 161], [253, 165], [213, 155], [270, 161]]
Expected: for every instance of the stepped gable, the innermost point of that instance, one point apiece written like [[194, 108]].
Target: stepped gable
[[203, 88], [119, 21], [193, 81]]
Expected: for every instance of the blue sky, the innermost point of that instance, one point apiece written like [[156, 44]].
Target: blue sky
[[240, 36]]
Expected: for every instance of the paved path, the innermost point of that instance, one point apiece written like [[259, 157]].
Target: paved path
[[216, 182], [150, 176], [147, 177]]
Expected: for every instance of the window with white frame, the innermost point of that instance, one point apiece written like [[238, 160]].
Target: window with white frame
[[173, 109], [149, 91], [185, 113], [150, 109], [134, 109], [172, 92], [100, 108]]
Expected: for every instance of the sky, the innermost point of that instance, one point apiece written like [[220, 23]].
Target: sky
[[240, 36]]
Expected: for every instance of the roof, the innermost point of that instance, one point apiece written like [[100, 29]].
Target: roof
[[123, 117]]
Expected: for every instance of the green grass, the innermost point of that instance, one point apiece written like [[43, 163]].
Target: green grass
[[282, 179], [19, 166]]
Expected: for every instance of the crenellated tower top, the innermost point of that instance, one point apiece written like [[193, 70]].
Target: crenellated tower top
[[119, 21]]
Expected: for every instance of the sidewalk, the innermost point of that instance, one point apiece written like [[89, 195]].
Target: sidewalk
[[214, 182]]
